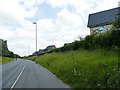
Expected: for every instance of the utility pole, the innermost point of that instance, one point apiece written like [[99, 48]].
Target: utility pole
[[36, 40]]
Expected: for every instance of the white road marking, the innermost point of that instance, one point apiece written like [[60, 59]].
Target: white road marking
[[17, 78]]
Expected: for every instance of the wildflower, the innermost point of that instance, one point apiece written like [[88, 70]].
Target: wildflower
[[108, 73], [74, 70], [98, 84]]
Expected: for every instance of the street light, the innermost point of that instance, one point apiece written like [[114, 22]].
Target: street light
[[36, 40]]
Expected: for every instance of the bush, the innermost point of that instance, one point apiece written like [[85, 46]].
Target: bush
[[106, 40]]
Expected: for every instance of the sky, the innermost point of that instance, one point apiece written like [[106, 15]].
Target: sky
[[58, 22]]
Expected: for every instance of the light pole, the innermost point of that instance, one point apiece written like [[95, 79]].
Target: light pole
[[36, 40]]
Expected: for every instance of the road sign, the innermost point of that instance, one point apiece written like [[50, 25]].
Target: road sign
[[36, 52]]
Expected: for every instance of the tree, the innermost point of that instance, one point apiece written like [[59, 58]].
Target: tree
[[4, 51]]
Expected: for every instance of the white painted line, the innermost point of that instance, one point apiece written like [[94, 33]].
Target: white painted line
[[17, 78]]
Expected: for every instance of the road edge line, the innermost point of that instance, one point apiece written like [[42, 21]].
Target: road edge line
[[17, 78]]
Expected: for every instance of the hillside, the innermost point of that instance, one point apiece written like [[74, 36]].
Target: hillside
[[83, 68], [92, 62]]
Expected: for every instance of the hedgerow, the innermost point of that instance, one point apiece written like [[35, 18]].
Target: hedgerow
[[108, 40]]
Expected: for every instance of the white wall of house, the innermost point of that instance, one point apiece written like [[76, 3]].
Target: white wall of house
[[104, 28]]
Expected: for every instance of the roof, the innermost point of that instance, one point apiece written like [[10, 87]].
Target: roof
[[103, 17], [41, 50], [50, 47]]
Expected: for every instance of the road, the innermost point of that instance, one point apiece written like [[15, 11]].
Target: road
[[31, 75]]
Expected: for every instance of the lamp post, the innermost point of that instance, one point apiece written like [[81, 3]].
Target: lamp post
[[36, 40]]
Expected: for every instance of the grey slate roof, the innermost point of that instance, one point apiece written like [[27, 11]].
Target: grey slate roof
[[50, 47], [103, 17]]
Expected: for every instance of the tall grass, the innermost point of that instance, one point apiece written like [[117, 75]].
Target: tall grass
[[4, 60], [84, 69]]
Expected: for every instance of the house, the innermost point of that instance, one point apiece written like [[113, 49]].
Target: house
[[50, 48], [41, 50], [100, 22], [45, 50]]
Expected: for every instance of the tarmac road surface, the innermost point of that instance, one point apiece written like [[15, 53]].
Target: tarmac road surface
[[32, 76]]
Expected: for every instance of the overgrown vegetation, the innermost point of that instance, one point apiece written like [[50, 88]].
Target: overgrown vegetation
[[6, 56], [83, 68], [92, 62], [109, 40]]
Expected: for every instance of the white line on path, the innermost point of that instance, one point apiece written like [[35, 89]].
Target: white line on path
[[17, 78]]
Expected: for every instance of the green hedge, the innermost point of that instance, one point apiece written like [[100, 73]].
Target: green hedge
[[108, 40]]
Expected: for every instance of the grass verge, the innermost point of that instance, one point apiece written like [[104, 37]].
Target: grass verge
[[4, 60], [84, 69]]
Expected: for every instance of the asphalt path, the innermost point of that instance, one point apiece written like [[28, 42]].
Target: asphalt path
[[33, 76], [10, 72]]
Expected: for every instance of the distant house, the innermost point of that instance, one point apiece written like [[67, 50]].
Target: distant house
[[41, 50], [100, 22], [50, 48], [45, 50]]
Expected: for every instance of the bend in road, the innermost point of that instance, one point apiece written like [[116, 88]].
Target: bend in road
[[33, 76]]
